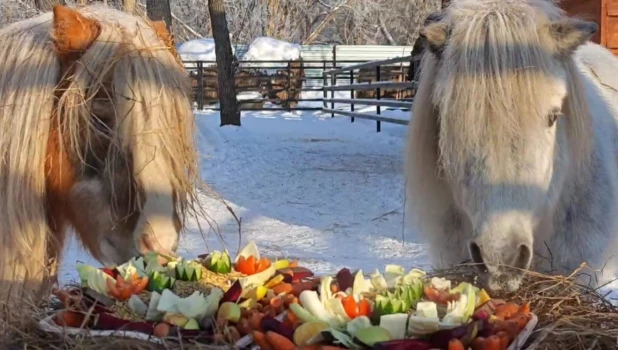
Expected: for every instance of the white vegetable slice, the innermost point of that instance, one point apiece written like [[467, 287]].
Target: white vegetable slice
[[395, 324], [249, 250], [137, 305]]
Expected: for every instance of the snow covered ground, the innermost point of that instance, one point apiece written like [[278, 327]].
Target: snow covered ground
[[306, 186]]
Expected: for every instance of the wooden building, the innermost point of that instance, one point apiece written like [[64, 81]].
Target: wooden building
[[604, 13]]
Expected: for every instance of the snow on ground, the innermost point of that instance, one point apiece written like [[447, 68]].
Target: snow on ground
[[306, 186]]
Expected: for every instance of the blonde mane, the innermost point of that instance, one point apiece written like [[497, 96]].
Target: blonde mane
[[154, 123], [499, 65]]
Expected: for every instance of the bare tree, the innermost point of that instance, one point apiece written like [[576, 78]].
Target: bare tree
[[230, 115], [47, 5], [158, 10], [128, 6]]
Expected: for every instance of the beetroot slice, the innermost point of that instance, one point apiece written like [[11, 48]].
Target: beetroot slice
[[232, 294], [108, 322], [403, 344], [344, 279]]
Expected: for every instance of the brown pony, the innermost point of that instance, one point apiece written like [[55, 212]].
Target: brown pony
[[96, 132]]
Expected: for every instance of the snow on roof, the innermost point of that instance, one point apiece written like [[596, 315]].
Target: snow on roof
[[198, 50], [270, 49]]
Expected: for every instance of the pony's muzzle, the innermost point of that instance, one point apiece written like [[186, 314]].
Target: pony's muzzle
[[501, 269], [149, 243]]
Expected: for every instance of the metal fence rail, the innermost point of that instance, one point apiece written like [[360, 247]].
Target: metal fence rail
[[379, 86], [287, 85]]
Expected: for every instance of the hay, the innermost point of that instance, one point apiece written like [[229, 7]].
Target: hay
[[571, 315]]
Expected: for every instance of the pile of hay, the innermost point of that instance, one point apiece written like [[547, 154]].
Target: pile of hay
[[571, 316]]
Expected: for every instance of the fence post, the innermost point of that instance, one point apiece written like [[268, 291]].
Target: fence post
[[333, 82], [289, 88], [352, 94], [324, 83], [378, 91], [200, 86]]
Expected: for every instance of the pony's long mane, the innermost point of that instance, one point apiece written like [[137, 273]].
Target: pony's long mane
[[154, 117], [154, 123], [29, 72], [497, 65]]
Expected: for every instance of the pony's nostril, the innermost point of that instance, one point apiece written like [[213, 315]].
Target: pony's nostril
[[523, 257], [476, 256]]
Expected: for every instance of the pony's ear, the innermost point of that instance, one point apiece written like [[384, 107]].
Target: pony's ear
[[162, 33], [569, 33], [435, 34], [73, 33]]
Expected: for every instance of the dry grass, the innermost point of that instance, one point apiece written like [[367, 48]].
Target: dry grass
[[571, 315]]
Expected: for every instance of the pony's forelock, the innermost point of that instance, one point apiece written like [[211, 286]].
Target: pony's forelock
[[497, 49]]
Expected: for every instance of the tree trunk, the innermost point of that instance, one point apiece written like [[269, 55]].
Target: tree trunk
[[128, 6], [159, 10], [47, 5], [230, 114]]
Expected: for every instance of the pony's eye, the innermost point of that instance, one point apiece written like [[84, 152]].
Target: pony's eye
[[553, 116]]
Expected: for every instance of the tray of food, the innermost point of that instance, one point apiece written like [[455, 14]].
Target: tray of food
[[252, 302]]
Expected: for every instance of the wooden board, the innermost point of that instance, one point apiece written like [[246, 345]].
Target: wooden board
[[612, 33], [590, 10], [612, 7]]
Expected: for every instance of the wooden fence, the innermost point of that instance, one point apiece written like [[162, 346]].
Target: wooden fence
[[397, 93]]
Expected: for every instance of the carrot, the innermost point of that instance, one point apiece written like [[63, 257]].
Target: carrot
[[277, 304], [524, 308], [311, 347], [506, 311], [279, 342], [282, 288], [521, 319], [492, 343], [255, 321], [478, 343], [504, 340], [455, 344], [260, 340], [293, 264], [292, 317]]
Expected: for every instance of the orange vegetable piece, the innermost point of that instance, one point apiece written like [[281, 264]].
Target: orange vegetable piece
[[440, 296], [246, 265], [139, 285], [455, 344], [505, 311], [293, 263], [521, 319], [255, 322], [478, 343], [262, 265], [524, 308], [69, 319], [504, 340], [260, 340], [364, 308], [492, 343], [350, 306], [279, 342], [282, 288]]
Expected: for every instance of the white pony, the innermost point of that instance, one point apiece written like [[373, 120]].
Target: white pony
[[512, 147]]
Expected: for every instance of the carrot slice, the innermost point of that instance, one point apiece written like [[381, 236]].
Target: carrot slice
[[279, 342], [455, 344], [350, 306], [262, 265], [260, 340], [364, 308]]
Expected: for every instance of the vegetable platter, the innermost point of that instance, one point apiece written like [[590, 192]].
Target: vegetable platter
[[254, 303]]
